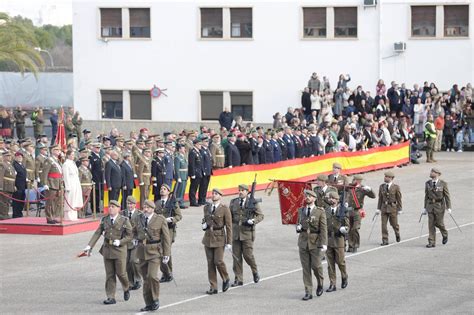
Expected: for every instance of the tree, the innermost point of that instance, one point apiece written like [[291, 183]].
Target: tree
[[17, 45]]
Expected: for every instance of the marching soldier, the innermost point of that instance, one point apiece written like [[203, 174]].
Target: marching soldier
[[144, 175], [52, 177], [217, 224], [336, 178], [154, 247], [390, 206], [7, 184], [437, 201], [167, 207], [322, 191], [338, 226], [39, 161], [181, 174], [355, 199], [85, 177], [244, 221], [132, 262], [117, 232], [312, 242]]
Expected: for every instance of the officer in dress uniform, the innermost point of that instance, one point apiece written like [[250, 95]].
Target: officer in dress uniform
[[144, 175], [195, 171], [20, 185], [244, 221], [117, 232], [437, 202], [181, 174], [52, 177], [312, 243], [217, 152], [39, 161], [217, 227], [158, 172], [337, 179], [169, 162], [389, 206], [154, 247], [167, 207], [97, 171], [29, 162], [85, 177], [7, 184], [206, 171], [133, 273]]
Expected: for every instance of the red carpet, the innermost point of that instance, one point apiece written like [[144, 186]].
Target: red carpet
[[35, 225]]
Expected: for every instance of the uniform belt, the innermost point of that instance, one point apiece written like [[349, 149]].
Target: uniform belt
[[389, 203], [183, 170], [108, 241], [220, 155], [146, 174], [86, 184], [145, 241], [9, 179], [55, 175], [30, 170], [311, 231], [436, 200], [217, 228]]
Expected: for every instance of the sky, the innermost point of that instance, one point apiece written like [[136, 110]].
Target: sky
[[41, 12]]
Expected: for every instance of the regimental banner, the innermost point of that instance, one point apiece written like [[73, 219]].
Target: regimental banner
[[291, 196]]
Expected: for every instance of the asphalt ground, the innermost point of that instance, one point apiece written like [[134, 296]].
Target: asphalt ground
[[40, 274]]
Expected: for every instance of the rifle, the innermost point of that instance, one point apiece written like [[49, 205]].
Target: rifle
[[343, 209], [251, 205], [169, 206]]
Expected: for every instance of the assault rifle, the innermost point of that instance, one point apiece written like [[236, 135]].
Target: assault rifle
[[251, 204]]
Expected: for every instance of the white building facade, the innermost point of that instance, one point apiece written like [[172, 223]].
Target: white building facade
[[255, 57]]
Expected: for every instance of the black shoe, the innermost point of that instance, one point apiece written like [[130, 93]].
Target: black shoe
[[344, 283], [194, 205], [183, 207], [384, 243], [237, 284], [331, 288], [126, 295], [349, 250], [398, 238], [50, 222], [109, 301], [354, 250], [136, 286], [146, 308], [445, 240], [307, 297], [211, 291], [225, 285], [166, 278], [154, 306], [319, 290], [256, 277], [430, 245]]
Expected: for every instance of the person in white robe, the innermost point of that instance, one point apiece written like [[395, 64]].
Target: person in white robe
[[72, 187]]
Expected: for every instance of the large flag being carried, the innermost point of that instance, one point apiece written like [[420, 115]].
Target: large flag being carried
[[291, 196], [61, 134]]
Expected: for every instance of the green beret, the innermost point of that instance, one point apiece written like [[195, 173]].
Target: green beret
[[114, 203], [217, 191], [334, 195], [244, 187], [310, 193], [322, 177], [149, 204], [131, 199], [389, 174]]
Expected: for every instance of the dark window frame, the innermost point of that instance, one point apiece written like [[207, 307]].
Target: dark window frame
[[140, 31], [111, 109], [114, 32]]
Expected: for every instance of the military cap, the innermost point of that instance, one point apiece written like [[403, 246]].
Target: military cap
[[84, 158], [41, 145], [83, 149], [334, 195], [8, 141], [148, 141], [197, 140], [159, 140], [121, 139], [389, 174], [358, 177], [311, 193], [114, 203], [42, 135], [6, 153], [72, 135], [217, 191], [204, 138], [18, 153], [160, 150], [96, 145], [215, 135], [230, 135], [139, 141], [86, 131], [149, 203], [322, 177], [105, 138], [147, 149], [143, 130], [337, 165], [244, 187], [168, 142], [26, 144], [166, 186], [129, 141], [436, 170], [131, 199], [55, 147], [107, 147]]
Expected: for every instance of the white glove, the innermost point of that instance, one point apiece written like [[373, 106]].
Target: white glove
[[324, 248], [299, 227], [141, 184], [424, 212], [155, 184], [45, 187], [366, 188], [344, 229], [377, 212], [250, 222], [179, 180], [449, 211], [135, 242], [400, 212], [166, 259], [169, 220], [228, 247], [193, 177], [38, 180], [135, 176], [116, 243], [230, 166], [346, 205], [88, 248], [204, 226]]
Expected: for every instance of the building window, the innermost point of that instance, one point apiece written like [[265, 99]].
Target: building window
[[111, 22], [211, 23], [241, 22], [423, 21], [241, 104], [345, 22], [139, 22], [456, 20], [112, 104], [314, 22], [212, 104], [140, 105]]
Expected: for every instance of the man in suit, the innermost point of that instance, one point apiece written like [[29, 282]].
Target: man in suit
[[181, 174], [267, 147], [217, 227], [290, 143], [128, 177], [195, 171], [97, 171], [232, 154], [20, 185], [253, 140], [389, 206], [244, 221], [52, 177], [133, 274], [312, 243], [117, 232], [113, 176], [276, 148], [206, 171], [393, 95], [154, 247], [282, 143], [168, 208], [437, 202], [169, 162], [7, 184]]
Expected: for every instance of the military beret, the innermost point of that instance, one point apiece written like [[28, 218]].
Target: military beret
[[337, 165], [6, 153], [311, 193], [55, 147], [129, 141], [322, 177], [217, 191], [389, 174], [166, 186], [114, 203], [146, 150], [333, 195], [41, 146], [197, 140], [149, 203], [160, 150], [358, 177], [18, 153], [131, 199], [84, 158], [96, 145], [143, 130], [244, 187], [230, 135], [148, 141], [121, 139], [435, 170], [26, 144], [86, 131], [72, 135]]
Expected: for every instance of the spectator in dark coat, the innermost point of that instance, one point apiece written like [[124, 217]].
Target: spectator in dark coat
[[232, 155], [226, 118], [54, 125], [306, 102], [290, 114], [290, 143], [245, 150], [20, 185], [127, 178], [113, 176], [393, 95], [268, 147], [276, 148]]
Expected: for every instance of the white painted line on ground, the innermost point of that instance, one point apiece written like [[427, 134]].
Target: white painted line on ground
[[299, 269]]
